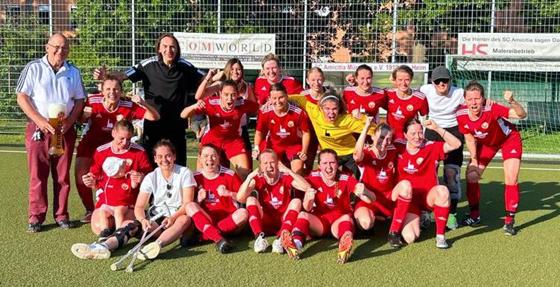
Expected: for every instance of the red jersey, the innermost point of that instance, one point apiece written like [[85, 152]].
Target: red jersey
[[335, 197], [274, 196], [286, 130], [213, 200], [225, 124], [308, 97], [118, 191], [101, 121], [379, 174], [491, 128], [399, 111], [368, 104], [262, 87], [420, 168]]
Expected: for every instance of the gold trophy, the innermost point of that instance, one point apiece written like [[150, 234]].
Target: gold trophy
[[57, 113]]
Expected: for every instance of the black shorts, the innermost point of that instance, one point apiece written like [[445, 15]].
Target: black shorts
[[455, 157]]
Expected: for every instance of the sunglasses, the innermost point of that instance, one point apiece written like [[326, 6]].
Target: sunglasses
[[168, 192], [439, 81]]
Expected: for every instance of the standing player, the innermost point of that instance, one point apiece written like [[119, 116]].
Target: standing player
[[284, 128], [116, 195], [216, 212], [486, 131], [417, 170], [272, 208], [380, 177], [403, 103], [443, 101], [224, 116], [272, 73], [327, 208], [102, 111], [363, 98]]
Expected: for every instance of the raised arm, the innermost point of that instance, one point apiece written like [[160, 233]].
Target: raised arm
[[189, 111], [451, 142], [516, 110], [207, 87], [247, 186], [359, 148], [151, 113]]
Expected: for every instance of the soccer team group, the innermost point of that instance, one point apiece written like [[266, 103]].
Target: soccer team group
[[367, 169]]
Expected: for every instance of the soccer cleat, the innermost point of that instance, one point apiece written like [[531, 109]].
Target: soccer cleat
[[150, 251], [289, 245], [452, 223], [65, 224], [34, 227], [508, 229], [90, 251], [425, 220], [344, 248], [261, 244], [394, 240], [223, 246], [87, 217], [441, 243], [469, 221], [277, 246]]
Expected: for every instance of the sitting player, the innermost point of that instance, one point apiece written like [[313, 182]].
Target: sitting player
[[216, 213], [327, 208], [272, 208]]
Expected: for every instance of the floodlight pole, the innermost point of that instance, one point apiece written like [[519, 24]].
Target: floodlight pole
[[492, 24], [304, 39], [50, 18], [219, 28]]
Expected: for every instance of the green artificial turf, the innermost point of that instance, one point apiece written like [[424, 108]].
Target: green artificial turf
[[481, 256]]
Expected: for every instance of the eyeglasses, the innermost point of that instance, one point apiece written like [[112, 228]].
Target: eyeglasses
[[439, 81], [63, 48]]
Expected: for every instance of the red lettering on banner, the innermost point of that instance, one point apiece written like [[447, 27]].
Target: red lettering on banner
[[477, 49]]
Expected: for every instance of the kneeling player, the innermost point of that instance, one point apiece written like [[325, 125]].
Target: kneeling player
[[216, 212], [327, 207], [379, 176], [417, 171], [272, 209]]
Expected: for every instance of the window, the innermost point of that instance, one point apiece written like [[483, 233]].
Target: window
[[44, 16]]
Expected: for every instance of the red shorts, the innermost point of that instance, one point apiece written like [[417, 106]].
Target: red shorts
[[287, 153], [327, 219], [383, 205], [511, 148], [419, 201], [271, 221], [109, 201], [88, 145], [230, 147]]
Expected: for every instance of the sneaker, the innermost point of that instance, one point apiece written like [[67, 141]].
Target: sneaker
[[469, 221], [394, 240], [150, 251], [87, 217], [64, 224], [441, 243], [277, 246], [261, 244], [288, 244], [452, 223], [223, 246], [344, 248], [34, 227], [187, 241], [425, 220], [90, 251], [508, 229]]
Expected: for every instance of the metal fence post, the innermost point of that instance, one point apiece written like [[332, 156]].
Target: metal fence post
[[304, 52], [394, 40]]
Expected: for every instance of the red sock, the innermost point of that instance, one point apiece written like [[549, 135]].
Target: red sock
[[289, 220], [302, 228], [511, 200], [401, 209], [473, 196], [227, 225], [254, 219], [344, 227], [204, 225], [86, 196], [441, 214]]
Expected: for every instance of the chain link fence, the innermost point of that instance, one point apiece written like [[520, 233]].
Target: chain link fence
[[121, 33]]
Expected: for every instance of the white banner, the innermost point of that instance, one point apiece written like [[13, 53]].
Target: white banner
[[376, 67], [508, 66], [206, 50], [509, 44]]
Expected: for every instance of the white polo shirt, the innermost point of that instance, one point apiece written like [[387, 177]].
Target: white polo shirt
[[443, 108], [43, 86], [154, 183]]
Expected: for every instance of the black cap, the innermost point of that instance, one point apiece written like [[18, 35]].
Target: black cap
[[440, 73]]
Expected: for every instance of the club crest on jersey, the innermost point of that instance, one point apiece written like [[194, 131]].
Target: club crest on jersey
[[419, 160], [225, 125], [479, 134], [272, 122], [128, 162], [263, 88], [275, 202], [398, 114], [211, 198], [119, 117], [409, 108], [282, 132], [484, 125], [290, 124], [410, 168], [352, 101], [124, 186], [371, 105], [390, 165], [98, 116], [329, 201], [382, 176]]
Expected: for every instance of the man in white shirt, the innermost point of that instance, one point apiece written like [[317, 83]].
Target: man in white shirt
[[443, 100], [42, 83]]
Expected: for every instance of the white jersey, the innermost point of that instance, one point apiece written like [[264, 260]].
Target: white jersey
[[443, 108], [170, 192]]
